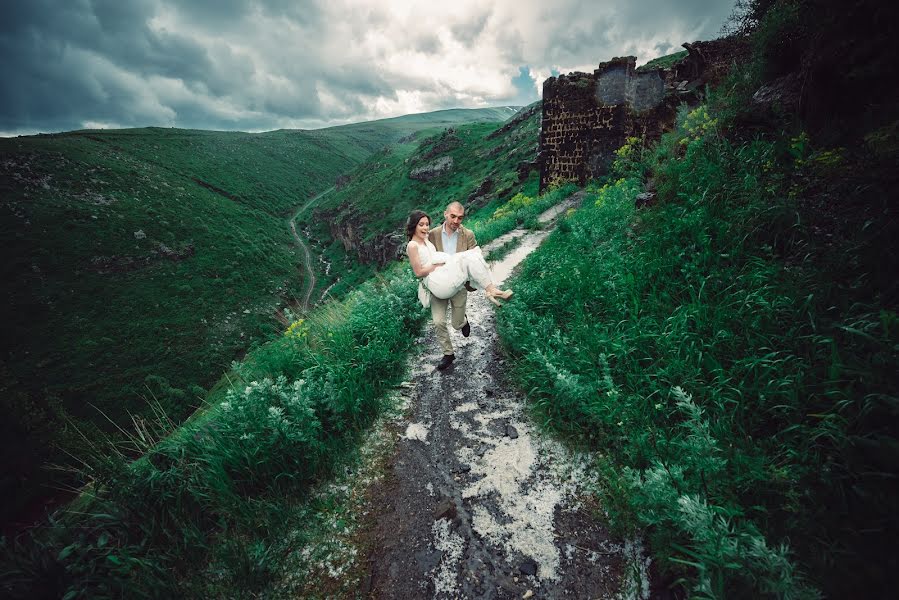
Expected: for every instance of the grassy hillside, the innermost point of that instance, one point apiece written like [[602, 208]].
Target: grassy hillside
[[140, 263], [380, 193], [663, 62], [730, 352]]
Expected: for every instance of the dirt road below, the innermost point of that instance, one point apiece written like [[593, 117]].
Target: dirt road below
[[306, 257]]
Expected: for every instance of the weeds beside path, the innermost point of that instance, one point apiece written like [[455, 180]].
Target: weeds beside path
[[475, 502]]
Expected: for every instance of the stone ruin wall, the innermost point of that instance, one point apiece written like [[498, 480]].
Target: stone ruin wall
[[588, 116]]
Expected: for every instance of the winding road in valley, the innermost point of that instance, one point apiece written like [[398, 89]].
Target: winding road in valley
[[306, 257]]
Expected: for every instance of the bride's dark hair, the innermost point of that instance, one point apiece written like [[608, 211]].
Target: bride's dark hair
[[414, 217]]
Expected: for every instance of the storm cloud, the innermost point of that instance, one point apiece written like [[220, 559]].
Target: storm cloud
[[257, 65]]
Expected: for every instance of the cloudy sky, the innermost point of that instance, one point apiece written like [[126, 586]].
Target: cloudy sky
[[257, 65]]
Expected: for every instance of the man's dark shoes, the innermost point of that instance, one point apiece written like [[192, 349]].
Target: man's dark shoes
[[466, 329], [446, 361]]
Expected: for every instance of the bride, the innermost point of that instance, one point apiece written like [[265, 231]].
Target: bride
[[444, 274]]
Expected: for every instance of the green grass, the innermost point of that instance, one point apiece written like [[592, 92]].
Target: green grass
[[142, 262], [296, 406], [731, 353], [663, 62]]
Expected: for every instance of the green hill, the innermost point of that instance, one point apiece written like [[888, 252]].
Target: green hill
[[354, 229], [139, 263]]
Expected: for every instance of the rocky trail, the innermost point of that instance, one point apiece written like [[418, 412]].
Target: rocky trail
[[474, 502]]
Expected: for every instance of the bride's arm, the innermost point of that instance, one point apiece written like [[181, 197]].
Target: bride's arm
[[419, 269]]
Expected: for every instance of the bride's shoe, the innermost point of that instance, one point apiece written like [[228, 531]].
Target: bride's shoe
[[494, 292]]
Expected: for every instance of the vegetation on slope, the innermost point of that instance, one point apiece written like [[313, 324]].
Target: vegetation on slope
[[380, 193], [663, 62], [140, 263], [731, 350]]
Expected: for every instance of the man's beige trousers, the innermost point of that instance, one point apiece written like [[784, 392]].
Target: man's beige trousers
[[438, 313]]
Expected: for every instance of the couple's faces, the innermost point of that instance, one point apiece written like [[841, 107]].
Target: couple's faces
[[454, 218]]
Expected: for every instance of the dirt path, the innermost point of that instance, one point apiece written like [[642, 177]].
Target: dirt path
[[474, 503], [307, 254]]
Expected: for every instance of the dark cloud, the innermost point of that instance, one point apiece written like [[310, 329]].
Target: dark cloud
[[264, 64], [580, 39], [103, 56], [231, 15], [469, 30], [428, 44]]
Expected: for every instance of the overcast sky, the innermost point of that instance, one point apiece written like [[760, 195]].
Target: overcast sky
[[257, 65]]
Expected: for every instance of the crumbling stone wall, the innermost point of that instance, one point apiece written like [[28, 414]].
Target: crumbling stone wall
[[588, 116]]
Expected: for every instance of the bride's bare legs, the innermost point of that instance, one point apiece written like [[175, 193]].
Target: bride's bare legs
[[472, 261]]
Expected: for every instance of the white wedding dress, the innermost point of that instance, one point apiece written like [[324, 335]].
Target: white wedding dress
[[446, 281]]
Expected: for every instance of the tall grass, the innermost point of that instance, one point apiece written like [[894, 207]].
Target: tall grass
[[519, 211], [727, 360], [297, 404]]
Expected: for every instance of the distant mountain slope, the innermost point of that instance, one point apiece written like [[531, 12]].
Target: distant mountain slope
[[139, 263], [407, 124]]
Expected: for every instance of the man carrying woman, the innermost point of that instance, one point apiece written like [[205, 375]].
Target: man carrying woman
[[446, 259]]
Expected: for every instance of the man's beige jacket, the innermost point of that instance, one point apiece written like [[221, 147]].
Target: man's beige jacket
[[464, 242]]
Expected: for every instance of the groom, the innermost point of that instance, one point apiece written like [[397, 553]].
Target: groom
[[451, 237]]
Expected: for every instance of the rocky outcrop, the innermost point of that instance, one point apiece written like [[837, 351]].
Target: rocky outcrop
[[349, 230], [781, 95], [588, 116], [432, 170], [446, 141], [122, 264], [342, 181], [525, 167], [481, 195]]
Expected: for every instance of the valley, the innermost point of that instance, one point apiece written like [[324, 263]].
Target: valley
[[141, 263]]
